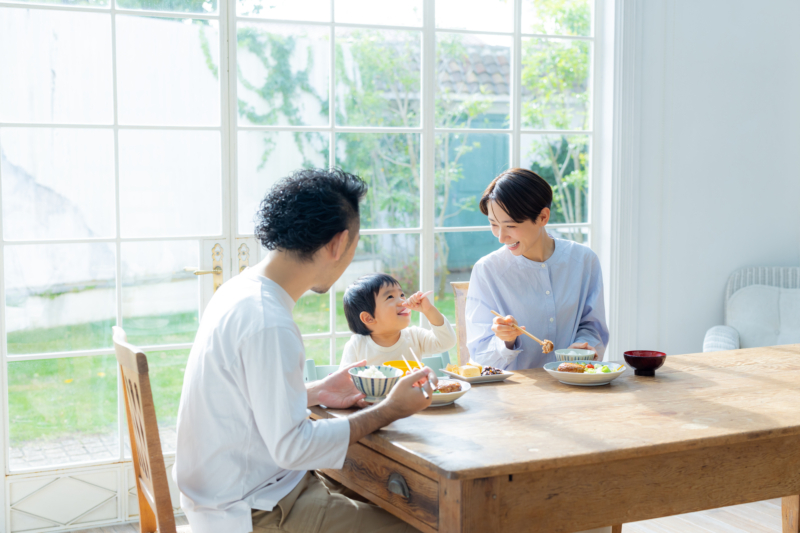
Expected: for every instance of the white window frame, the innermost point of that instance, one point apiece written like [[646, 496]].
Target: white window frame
[[229, 128]]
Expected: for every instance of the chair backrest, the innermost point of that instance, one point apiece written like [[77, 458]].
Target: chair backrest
[[326, 370], [155, 504], [460, 289], [781, 277], [312, 372], [436, 363]]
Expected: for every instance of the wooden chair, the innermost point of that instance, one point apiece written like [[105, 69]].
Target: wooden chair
[[460, 289], [152, 487]]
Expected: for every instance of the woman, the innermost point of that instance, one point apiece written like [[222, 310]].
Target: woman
[[552, 286]]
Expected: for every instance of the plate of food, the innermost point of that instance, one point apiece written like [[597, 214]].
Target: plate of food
[[475, 373], [585, 373], [448, 392]]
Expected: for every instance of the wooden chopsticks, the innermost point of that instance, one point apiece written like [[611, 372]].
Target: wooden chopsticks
[[547, 346]]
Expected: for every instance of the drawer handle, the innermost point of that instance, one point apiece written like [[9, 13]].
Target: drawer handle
[[398, 485]]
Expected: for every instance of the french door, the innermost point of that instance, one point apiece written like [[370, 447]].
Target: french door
[[138, 137], [117, 209]]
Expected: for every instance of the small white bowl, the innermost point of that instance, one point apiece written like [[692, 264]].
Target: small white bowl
[[571, 355], [376, 389]]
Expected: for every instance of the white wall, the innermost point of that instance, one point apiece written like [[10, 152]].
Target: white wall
[[719, 180]]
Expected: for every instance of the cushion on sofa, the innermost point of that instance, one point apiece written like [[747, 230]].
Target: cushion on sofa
[[765, 316]]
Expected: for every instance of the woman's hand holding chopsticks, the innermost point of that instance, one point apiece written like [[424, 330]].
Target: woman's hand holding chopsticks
[[506, 329]]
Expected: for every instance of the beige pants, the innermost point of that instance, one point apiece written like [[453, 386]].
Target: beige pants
[[317, 505]]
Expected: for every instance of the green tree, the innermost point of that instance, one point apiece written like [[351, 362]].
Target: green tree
[[555, 84]]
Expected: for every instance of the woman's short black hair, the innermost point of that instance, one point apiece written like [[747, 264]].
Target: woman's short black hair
[[303, 212], [521, 193], [361, 296]]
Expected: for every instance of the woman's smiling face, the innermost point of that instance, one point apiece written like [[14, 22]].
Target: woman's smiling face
[[518, 237]]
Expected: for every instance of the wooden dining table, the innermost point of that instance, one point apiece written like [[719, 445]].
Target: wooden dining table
[[531, 454]]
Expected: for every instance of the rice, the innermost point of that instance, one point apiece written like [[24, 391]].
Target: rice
[[370, 372]]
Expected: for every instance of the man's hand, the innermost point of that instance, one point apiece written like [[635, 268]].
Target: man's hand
[[505, 331], [337, 390], [406, 397], [584, 346]]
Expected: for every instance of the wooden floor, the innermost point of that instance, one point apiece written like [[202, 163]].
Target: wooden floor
[[760, 517]]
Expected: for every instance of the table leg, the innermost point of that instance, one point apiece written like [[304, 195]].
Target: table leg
[[790, 510], [616, 529]]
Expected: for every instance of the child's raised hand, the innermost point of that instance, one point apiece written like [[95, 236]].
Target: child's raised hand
[[418, 301]]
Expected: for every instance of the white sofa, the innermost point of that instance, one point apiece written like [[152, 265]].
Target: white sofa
[[762, 308]]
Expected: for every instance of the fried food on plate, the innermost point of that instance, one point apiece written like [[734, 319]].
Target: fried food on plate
[[570, 367], [450, 386]]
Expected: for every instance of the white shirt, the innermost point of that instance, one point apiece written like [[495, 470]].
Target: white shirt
[[422, 341], [560, 300], [244, 437]]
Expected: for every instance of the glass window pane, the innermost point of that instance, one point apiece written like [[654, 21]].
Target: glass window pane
[[166, 380], [557, 17], [62, 411], [169, 183], [181, 6], [456, 254], [407, 13], [57, 183], [472, 81], [377, 78], [396, 255], [555, 84], [266, 157], [59, 297], [167, 71], [486, 15], [340, 348], [391, 166], [312, 313], [284, 73], [579, 235], [160, 300], [319, 350], [465, 165], [562, 160], [311, 10], [56, 67]]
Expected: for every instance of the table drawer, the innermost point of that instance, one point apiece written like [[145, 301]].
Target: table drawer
[[398, 489]]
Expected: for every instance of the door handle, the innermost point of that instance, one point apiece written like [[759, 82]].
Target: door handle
[[216, 271]]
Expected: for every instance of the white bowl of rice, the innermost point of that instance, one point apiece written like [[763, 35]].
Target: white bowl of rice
[[375, 382]]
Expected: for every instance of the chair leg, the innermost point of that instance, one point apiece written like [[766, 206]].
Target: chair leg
[[790, 511], [616, 529]]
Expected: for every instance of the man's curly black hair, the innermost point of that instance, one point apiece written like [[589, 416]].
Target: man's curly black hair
[[303, 212]]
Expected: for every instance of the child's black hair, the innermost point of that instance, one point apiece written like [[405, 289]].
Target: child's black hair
[[360, 296]]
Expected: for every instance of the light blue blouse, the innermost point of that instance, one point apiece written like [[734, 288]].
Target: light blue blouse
[[560, 299]]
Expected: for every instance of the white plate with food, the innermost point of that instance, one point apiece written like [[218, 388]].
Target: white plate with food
[[448, 392], [474, 373], [585, 373]]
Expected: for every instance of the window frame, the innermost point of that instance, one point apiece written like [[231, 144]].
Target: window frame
[[229, 128]]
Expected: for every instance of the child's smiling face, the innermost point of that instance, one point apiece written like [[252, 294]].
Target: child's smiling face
[[390, 315]]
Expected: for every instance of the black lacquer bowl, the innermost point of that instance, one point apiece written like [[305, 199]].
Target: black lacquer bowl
[[645, 362]]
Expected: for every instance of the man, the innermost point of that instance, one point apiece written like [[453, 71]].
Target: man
[[245, 443]]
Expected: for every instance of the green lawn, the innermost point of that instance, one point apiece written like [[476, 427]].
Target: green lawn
[[52, 398]]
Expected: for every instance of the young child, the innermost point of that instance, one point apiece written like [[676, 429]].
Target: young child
[[379, 315]]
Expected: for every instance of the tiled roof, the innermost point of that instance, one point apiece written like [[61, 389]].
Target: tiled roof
[[483, 69]]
